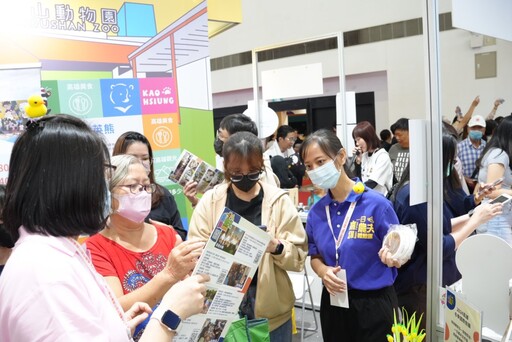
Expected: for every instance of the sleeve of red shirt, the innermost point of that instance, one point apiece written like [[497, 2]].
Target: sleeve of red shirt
[[98, 247]]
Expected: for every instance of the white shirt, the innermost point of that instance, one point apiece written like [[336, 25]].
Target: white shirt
[[379, 169], [275, 150]]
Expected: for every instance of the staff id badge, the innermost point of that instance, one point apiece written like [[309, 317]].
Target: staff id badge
[[341, 299]]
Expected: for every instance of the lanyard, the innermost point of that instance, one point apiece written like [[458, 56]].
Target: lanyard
[[341, 235]]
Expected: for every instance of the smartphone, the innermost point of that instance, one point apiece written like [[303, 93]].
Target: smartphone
[[493, 184], [503, 198]]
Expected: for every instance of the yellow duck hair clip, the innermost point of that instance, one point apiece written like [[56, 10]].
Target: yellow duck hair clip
[[358, 188], [36, 107]]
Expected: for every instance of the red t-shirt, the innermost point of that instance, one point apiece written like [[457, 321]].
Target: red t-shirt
[[133, 269]]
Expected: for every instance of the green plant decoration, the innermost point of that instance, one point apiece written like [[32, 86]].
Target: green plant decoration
[[407, 329]]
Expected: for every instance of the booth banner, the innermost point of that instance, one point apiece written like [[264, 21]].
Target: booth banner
[[120, 66], [463, 322]]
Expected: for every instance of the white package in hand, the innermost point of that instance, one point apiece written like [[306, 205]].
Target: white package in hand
[[400, 241]]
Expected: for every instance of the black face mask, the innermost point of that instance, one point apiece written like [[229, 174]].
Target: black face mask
[[217, 146], [245, 184]]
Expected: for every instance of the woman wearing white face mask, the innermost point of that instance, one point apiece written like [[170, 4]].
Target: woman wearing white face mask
[[345, 232], [139, 261]]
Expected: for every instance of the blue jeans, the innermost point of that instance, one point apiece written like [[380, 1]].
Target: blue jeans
[[283, 333], [498, 226]]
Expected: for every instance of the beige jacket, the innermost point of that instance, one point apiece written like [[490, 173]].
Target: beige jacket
[[274, 292]]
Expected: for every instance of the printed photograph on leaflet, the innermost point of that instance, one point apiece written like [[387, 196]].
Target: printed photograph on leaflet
[[191, 167], [231, 256]]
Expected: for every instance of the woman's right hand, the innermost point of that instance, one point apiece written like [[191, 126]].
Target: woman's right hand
[[183, 257], [356, 152], [190, 191], [186, 298], [485, 212], [332, 283]]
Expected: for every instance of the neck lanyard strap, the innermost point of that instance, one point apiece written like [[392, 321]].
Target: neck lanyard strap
[[341, 235]]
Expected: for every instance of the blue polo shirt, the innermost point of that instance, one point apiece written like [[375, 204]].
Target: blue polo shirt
[[358, 252]]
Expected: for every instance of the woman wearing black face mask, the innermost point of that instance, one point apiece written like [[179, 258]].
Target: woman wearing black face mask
[[262, 204]]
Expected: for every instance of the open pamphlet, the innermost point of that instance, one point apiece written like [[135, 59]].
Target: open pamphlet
[[191, 167], [231, 256]]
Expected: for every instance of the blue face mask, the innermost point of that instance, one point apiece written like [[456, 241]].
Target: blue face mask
[[325, 176], [475, 135]]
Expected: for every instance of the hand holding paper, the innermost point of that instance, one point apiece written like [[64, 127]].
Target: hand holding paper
[[341, 298]]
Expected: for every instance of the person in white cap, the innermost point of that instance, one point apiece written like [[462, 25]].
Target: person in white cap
[[469, 149]]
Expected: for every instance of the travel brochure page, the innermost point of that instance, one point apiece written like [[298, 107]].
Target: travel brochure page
[[230, 257], [191, 167]]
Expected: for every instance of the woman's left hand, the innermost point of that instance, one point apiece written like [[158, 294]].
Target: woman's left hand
[[136, 315], [387, 258]]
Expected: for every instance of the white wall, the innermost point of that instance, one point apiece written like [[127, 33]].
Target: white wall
[[267, 23]]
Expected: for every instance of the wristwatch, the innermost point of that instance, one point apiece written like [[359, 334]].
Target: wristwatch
[[171, 321], [279, 249]]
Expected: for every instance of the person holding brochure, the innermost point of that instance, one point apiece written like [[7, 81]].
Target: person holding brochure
[[270, 294], [49, 290], [163, 205], [140, 261], [229, 125], [345, 231]]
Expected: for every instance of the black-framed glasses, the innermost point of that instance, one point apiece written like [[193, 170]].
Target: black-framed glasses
[[254, 176], [138, 188]]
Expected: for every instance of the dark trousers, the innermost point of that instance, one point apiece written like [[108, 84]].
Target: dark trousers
[[415, 300], [368, 319]]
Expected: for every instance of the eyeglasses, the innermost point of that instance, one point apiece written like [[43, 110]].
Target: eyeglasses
[[109, 170], [137, 188], [291, 139], [254, 176]]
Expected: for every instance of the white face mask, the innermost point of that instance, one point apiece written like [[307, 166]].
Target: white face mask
[[325, 176], [134, 207]]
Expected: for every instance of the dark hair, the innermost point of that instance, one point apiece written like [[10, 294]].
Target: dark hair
[[328, 143], [5, 237], [243, 146], [283, 131], [401, 124], [451, 180], [120, 147], [385, 134], [365, 131], [56, 183], [490, 126], [500, 139], [449, 129], [238, 123]]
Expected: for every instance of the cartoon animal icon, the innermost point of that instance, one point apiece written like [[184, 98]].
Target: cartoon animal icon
[[36, 107], [120, 96]]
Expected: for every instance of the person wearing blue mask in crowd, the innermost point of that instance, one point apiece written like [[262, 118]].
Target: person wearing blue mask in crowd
[[345, 230], [470, 149]]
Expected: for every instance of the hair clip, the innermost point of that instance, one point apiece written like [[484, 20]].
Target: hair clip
[[33, 124]]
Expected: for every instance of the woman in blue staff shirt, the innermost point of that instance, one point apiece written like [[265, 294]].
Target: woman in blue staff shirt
[[345, 231]]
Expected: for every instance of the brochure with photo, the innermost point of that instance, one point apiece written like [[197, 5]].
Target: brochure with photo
[[231, 256], [191, 167]]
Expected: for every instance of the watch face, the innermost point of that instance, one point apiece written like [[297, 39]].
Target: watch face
[[171, 320]]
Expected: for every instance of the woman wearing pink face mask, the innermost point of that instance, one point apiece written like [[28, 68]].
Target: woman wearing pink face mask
[[139, 261]]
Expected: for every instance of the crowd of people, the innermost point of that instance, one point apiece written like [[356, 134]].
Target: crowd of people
[[135, 264]]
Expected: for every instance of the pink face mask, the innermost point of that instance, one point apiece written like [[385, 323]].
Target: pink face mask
[[134, 207]]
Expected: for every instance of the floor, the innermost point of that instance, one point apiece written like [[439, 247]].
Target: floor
[[309, 322]]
